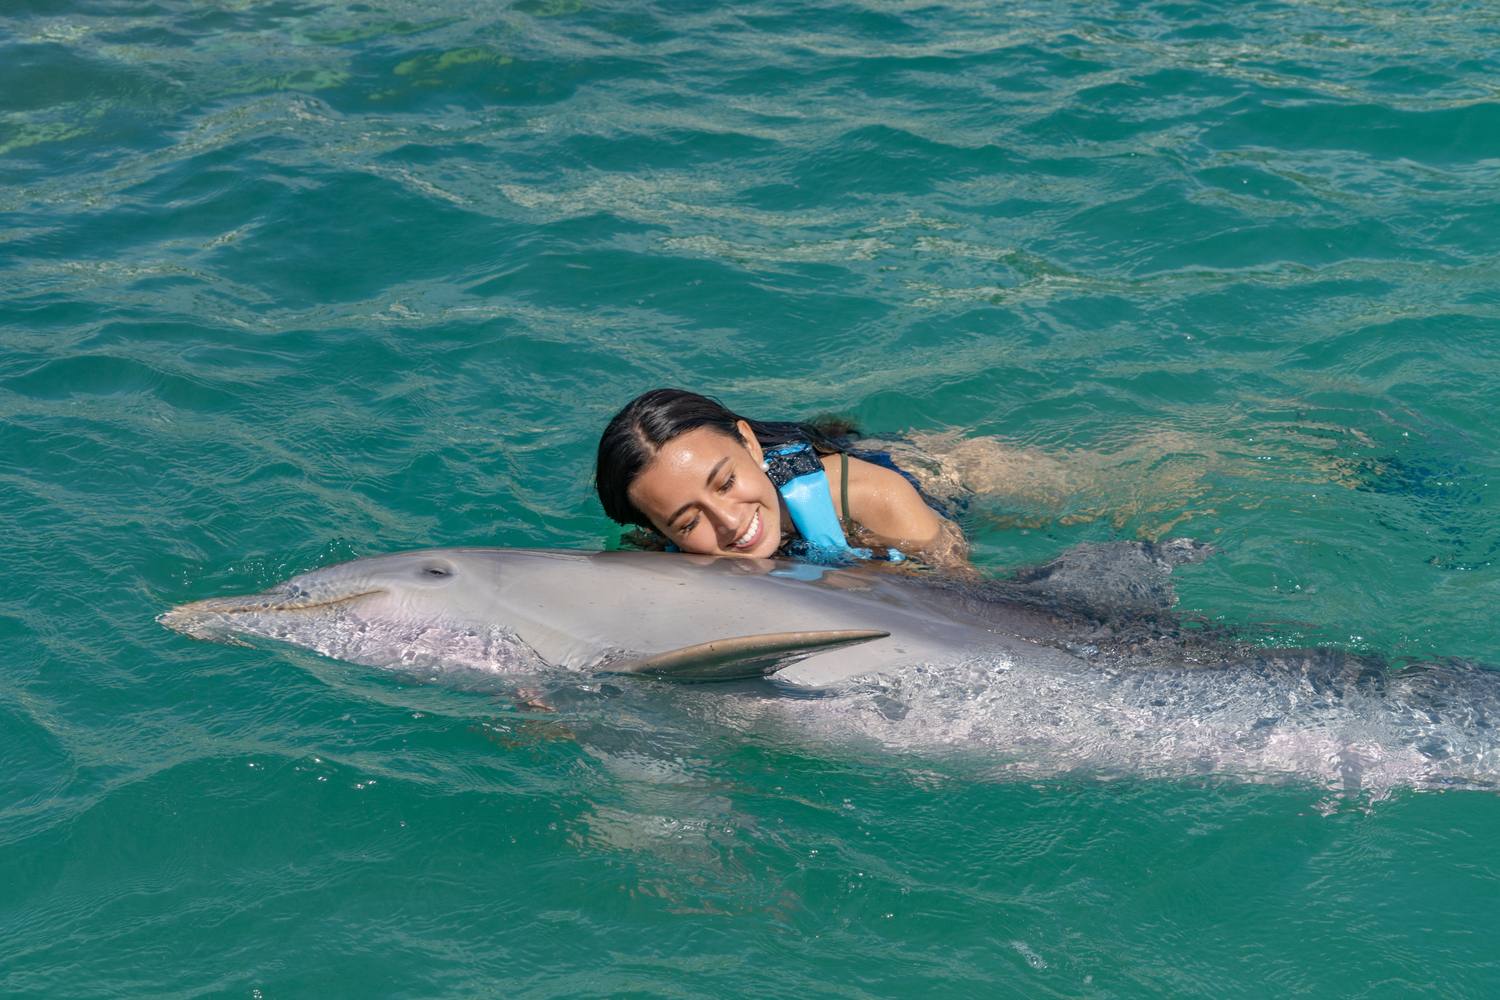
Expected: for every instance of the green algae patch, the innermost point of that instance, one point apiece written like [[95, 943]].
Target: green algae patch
[[305, 81], [16, 136], [424, 65], [365, 32]]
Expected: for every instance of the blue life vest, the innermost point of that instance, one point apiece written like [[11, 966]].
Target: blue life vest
[[799, 477]]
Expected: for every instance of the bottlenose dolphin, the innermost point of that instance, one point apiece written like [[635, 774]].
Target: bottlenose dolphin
[[1076, 664], [673, 616]]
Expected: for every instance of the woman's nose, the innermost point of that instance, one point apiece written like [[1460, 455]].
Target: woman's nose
[[722, 518]]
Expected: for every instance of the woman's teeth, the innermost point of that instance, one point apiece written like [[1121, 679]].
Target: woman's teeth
[[751, 535]]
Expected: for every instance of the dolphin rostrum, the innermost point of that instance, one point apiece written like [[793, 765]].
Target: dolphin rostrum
[[1079, 661]]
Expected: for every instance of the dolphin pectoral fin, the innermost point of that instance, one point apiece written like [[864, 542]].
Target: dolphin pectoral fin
[[740, 657]]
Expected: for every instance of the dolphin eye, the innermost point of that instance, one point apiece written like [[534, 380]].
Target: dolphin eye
[[436, 571]]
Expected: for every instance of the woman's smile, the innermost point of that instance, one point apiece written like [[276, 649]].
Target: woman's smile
[[752, 534]]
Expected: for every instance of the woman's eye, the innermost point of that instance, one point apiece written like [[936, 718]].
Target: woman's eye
[[687, 529], [724, 487]]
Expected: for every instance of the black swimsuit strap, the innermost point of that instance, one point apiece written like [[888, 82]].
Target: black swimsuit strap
[[844, 494]]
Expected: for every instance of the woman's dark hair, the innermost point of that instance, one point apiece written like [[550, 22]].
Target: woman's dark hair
[[653, 418]]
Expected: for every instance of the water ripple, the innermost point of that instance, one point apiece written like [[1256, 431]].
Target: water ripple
[[285, 284]]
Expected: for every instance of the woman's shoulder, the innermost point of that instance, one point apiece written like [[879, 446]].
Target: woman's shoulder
[[879, 499], [887, 510]]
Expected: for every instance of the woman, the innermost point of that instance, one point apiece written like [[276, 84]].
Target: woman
[[709, 481]]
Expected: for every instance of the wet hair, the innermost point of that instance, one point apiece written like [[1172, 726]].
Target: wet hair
[[635, 434]]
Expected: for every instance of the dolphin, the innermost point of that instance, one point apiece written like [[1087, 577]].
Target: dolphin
[[666, 615], [1079, 663]]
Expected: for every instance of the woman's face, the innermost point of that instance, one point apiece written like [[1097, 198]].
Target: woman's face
[[706, 492]]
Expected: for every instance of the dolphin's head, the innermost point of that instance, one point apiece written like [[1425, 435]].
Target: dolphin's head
[[525, 610], [399, 583], [383, 611]]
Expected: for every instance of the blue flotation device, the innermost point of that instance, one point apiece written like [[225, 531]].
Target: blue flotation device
[[799, 477]]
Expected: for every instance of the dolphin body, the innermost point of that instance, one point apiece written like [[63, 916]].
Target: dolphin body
[[671, 616], [1077, 665]]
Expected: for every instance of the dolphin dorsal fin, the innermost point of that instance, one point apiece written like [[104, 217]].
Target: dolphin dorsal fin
[[740, 657]]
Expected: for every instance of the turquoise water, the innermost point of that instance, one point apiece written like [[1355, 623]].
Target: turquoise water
[[285, 283]]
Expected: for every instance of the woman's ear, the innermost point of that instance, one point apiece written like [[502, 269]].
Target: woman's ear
[[752, 444]]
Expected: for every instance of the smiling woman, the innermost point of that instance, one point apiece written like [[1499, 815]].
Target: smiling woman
[[709, 481]]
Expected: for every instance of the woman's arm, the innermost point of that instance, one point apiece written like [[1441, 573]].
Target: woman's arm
[[894, 514]]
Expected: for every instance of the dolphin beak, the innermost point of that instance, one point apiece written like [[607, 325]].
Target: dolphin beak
[[211, 618]]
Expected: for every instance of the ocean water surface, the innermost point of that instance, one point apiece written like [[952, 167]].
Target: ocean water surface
[[283, 283]]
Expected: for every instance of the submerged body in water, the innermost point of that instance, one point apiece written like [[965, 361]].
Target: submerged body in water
[[1076, 666]]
